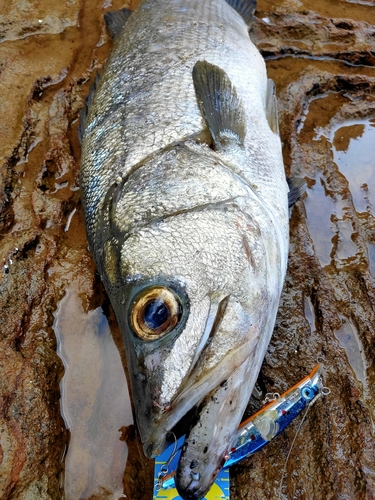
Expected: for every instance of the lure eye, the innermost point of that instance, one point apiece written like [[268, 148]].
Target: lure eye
[[307, 393], [155, 312]]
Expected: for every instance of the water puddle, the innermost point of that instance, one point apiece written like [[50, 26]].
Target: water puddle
[[370, 3], [310, 314], [349, 340], [344, 185], [94, 402], [319, 209], [353, 146], [346, 250], [371, 255], [329, 225]]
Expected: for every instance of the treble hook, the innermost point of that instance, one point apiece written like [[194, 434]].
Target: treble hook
[[164, 469]]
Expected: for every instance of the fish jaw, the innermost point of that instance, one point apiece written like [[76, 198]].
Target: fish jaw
[[151, 374], [211, 435]]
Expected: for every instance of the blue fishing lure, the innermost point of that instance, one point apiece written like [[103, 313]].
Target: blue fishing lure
[[252, 435]]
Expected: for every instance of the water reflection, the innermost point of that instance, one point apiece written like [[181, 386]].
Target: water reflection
[[94, 402], [350, 144], [319, 209], [310, 314], [349, 340], [371, 255], [354, 153]]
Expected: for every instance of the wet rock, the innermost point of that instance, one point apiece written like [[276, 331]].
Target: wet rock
[[316, 37], [322, 63]]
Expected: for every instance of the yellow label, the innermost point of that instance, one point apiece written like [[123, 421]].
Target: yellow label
[[215, 493]]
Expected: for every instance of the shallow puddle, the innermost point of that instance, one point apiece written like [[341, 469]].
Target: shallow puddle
[[310, 314], [319, 209], [341, 182], [354, 153], [371, 255], [349, 340], [95, 403]]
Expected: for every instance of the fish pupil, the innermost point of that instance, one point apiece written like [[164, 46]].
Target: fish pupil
[[156, 314]]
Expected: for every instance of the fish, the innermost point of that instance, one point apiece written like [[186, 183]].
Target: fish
[[186, 211]]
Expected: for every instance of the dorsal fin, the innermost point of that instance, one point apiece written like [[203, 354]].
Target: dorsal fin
[[271, 106], [245, 8], [86, 106], [116, 20], [220, 106]]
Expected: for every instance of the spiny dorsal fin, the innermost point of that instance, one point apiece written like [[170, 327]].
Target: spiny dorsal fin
[[219, 104], [116, 20], [297, 187], [245, 8], [86, 106], [271, 106]]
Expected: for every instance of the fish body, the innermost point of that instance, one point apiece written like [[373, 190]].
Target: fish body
[[186, 210]]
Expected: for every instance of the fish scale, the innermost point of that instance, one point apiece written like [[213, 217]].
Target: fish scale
[[185, 202], [161, 187], [128, 105]]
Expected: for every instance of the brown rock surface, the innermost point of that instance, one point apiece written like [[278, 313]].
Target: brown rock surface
[[320, 56]]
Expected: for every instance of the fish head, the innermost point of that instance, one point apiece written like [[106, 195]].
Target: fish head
[[194, 298]]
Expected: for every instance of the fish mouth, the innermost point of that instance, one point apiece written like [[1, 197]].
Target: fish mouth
[[211, 429], [212, 432], [200, 386]]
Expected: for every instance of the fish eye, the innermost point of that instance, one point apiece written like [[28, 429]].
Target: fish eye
[[155, 312]]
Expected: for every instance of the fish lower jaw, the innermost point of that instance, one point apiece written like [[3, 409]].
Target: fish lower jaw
[[193, 484]]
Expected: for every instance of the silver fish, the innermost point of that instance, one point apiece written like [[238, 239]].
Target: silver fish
[[186, 208]]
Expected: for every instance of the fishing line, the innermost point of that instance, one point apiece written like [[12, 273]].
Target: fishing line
[[324, 392]]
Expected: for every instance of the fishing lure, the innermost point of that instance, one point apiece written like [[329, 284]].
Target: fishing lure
[[252, 435]]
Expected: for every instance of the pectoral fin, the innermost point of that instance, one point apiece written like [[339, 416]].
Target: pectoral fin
[[297, 187], [245, 8], [220, 106]]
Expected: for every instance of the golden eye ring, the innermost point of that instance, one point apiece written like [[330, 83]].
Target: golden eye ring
[[155, 312]]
